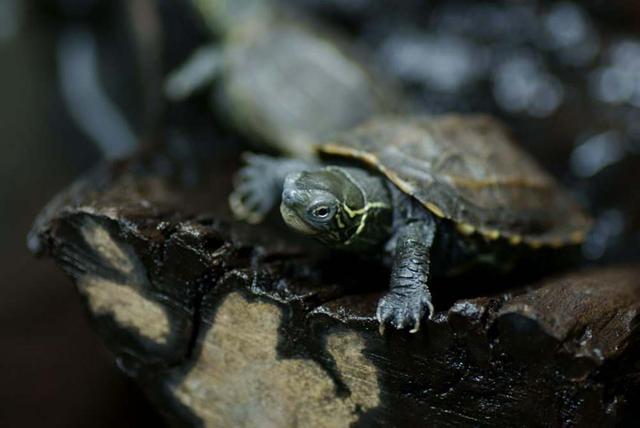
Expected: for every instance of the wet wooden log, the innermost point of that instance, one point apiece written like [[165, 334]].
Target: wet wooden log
[[228, 325]]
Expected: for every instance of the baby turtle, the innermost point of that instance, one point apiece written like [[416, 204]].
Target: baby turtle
[[435, 194], [281, 79]]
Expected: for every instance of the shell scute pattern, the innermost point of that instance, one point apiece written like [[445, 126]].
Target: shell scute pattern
[[468, 170]]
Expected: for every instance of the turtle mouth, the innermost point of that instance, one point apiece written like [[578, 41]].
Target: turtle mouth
[[295, 222]]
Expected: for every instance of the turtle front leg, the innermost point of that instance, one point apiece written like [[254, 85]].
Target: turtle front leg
[[198, 72], [409, 298], [258, 185]]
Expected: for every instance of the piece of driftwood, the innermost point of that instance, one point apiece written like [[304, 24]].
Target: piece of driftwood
[[226, 325]]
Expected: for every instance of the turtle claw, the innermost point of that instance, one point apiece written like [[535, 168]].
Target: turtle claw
[[432, 311], [243, 211], [383, 315], [416, 327], [403, 310]]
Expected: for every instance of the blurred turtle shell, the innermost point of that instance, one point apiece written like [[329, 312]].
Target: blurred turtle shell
[[287, 82]]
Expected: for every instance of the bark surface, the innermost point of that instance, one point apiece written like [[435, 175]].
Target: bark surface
[[230, 325]]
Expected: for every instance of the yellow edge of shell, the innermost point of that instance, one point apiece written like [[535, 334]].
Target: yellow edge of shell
[[535, 244], [435, 209], [515, 239], [465, 228], [336, 149], [577, 237], [556, 243], [491, 234]]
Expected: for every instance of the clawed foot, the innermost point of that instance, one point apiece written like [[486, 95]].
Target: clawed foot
[[256, 189], [404, 310]]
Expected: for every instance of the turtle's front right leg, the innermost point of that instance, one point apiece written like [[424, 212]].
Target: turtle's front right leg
[[258, 185], [409, 299]]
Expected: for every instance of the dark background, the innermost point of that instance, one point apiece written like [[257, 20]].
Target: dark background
[[54, 371]]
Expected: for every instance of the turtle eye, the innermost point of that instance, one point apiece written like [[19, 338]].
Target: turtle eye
[[321, 212]]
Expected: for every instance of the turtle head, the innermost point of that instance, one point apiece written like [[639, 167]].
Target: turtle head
[[335, 204]]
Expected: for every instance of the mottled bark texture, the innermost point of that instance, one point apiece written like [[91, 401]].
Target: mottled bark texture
[[229, 325]]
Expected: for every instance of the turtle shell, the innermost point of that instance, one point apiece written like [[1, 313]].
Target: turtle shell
[[291, 86], [468, 170]]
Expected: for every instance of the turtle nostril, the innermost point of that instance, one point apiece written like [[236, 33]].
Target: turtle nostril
[[288, 196]]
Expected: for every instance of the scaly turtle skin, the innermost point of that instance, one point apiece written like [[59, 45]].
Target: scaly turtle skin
[[438, 195], [281, 80]]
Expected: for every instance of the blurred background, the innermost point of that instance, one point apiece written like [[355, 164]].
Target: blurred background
[[81, 81]]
